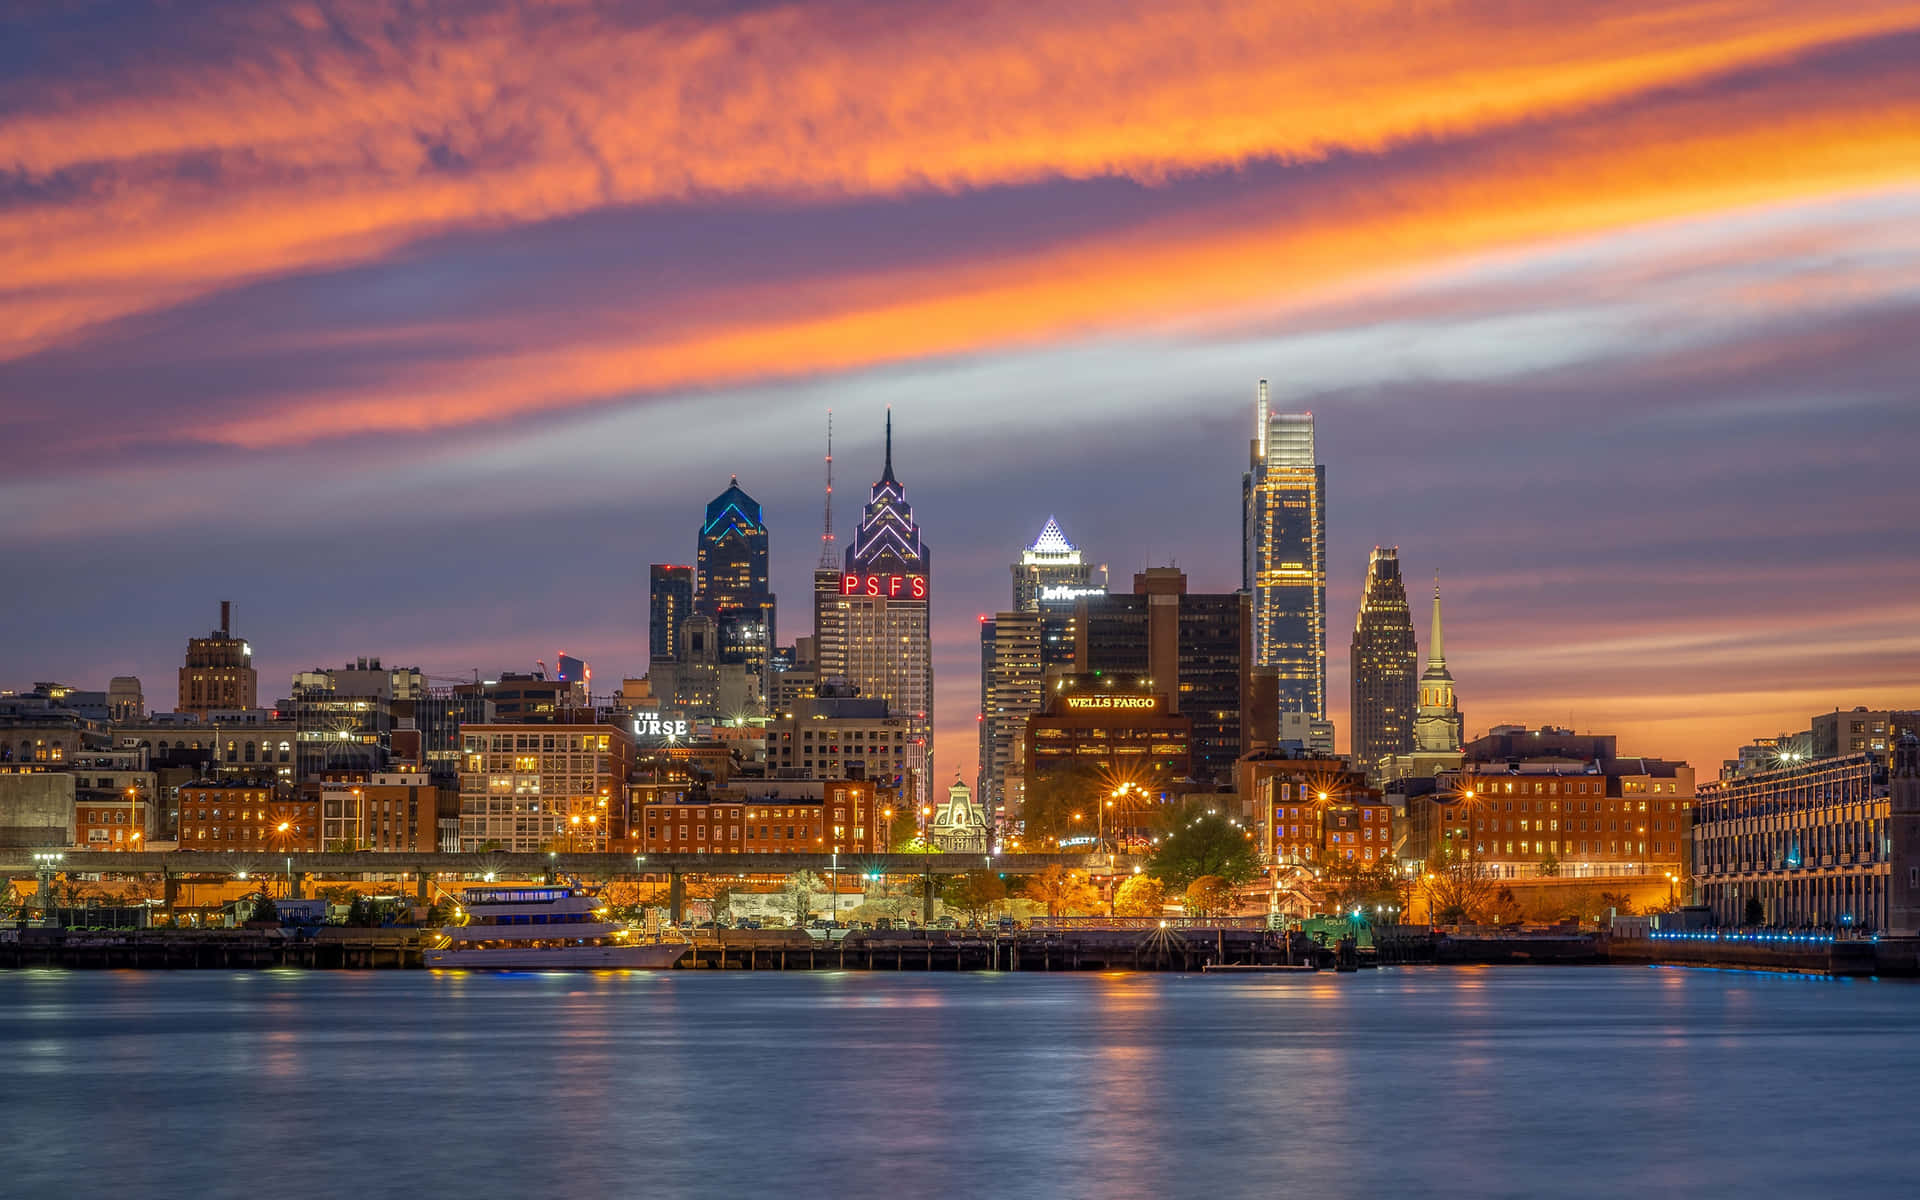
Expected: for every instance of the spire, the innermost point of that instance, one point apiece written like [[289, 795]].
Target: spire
[[888, 473], [1436, 652], [828, 560], [1052, 539]]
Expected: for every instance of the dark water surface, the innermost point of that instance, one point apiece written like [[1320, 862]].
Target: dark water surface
[[1416, 1081]]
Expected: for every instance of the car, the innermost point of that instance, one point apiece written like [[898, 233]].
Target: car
[[748, 923], [946, 923], [884, 924]]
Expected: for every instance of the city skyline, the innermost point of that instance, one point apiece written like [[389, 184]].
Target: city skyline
[[1615, 348]]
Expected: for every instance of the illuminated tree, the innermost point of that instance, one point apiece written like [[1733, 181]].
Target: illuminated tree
[[1201, 841], [1344, 887], [1459, 890], [1052, 799], [1209, 896], [1140, 896], [975, 893], [1063, 892]]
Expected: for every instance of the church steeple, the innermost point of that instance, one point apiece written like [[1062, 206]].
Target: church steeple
[[1436, 723]]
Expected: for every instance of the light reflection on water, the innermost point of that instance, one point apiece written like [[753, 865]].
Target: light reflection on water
[[1434, 1081]]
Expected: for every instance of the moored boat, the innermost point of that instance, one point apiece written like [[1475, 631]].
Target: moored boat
[[543, 929]]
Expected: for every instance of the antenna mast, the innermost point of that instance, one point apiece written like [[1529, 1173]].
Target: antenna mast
[[828, 560]]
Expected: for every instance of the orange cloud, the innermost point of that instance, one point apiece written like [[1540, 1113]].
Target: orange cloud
[[308, 154], [1675, 158]]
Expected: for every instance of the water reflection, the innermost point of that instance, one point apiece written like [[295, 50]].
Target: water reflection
[[1432, 1081]]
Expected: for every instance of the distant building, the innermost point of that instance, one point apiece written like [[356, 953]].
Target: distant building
[[389, 810], [258, 816], [1384, 664], [125, 700], [1305, 804], [1053, 570], [881, 620], [669, 602], [536, 786], [840, 736], [1100, 731], [838, 816], [1823, 842], [1194, 648], [219, 671], [731, 588], [1284, 556], [959, 826], [1856, 731], [700, 684], [1437, 724]]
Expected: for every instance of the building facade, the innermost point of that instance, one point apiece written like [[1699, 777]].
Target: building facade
[[669, 601], [882, 618], [1100, 731], [387, 810], [732, 586], [1197, 650], [532, 787], [1808, 843], [240, 816], [844, 818], [218, 673], [1284, 555], [1384, 663]]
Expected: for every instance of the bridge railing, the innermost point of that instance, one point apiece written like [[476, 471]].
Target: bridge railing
[[1075, 924]]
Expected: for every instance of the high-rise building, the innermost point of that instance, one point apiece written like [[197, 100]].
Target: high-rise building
[[1196, 648], [883, 616], [669, 602], [1012, 689], [732, 585], [1052, 569], [219, 672], [1284, 555], [1384, 662]]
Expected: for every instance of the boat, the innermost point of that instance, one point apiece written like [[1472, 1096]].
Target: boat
[[543, 929]]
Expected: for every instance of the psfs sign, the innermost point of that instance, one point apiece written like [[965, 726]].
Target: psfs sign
[[893, 587]]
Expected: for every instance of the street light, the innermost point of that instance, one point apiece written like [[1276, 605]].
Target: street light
[[284, 826]]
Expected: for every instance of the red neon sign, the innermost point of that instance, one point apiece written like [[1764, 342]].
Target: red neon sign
[[894, 587]]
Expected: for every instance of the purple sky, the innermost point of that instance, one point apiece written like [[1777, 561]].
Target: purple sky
[[420, 334]]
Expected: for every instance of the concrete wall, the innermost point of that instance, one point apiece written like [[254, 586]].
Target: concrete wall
[[36, 810]]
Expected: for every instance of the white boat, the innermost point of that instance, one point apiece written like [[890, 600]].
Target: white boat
[[543, 929]]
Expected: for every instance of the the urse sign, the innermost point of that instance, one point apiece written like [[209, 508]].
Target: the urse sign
[[650, 725], [893, 587], [1137, 702]]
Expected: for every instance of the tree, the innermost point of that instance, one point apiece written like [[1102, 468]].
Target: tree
[[1550, 866], [1140, 896], [360, 914], [1209, 896], [1052, 799], [1506, 908], [1620, 902], [1063, 892], [1345, 886], [1202, 841], [975, 893], [1754, 913], [263, 910], [798, 891], [1459, 891]]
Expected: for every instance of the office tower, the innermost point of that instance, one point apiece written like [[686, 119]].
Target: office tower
[[1012, 689], [1194, 647], [1284, 555], [219, 671], [886, 642], [669, 602], [1053, 570], [1436, 723], [732, 585], [1384, 663]]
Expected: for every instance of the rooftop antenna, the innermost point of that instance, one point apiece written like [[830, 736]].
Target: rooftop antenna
[[827, 558]]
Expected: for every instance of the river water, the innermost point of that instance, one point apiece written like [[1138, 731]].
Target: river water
[[1411, 1081]]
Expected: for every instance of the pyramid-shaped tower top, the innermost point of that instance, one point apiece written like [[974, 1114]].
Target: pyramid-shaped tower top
[[1052, 539]]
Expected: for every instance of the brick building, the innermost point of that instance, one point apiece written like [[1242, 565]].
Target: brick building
[[848, 816], [544, 786], [230, 815]]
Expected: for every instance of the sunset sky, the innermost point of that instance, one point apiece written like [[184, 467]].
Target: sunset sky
[[420, 330]]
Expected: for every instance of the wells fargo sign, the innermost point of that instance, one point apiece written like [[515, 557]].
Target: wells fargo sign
[[1134, 703]]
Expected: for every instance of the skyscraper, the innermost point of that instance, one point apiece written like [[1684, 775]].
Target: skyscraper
[[1284, 555], [829, 633], [732, 586], [1384, 663], [669, 602], [1195, 648], [883, 614], [1053, 569]]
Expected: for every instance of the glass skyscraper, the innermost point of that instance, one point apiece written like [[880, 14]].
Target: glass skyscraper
[[1385, 663], [732, 586], [1284, 555], [669, 602]]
